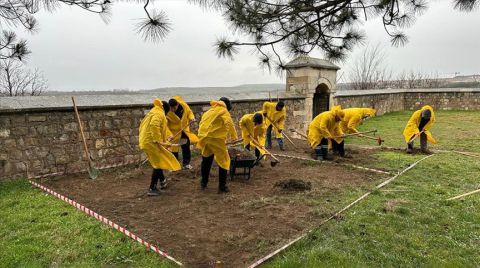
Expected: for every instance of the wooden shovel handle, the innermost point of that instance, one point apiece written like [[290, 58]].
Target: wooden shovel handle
[[81, 132]]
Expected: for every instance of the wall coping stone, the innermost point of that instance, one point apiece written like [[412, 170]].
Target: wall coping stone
[[347, 93], [93, 102]]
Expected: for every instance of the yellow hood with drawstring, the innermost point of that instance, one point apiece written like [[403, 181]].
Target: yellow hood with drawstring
[[278, 117], [354, 117], [324, 125], [153, 129], [175, 124], [215, 127], [411, 128], [248, 129]]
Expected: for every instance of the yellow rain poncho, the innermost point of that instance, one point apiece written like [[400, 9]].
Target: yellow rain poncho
[[324, 125], [411, 128], [153, 129], [175, 124], [248, 129], [214, 128], [353, 118], [278, 117]]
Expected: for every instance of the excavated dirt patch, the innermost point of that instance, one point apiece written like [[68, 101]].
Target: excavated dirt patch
[[199, 227]]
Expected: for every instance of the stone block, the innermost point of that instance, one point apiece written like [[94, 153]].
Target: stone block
[[99, 143], [18, 119], [20, 167], [20, 131], [4, 122], [111, 113], [70, 126], [4, 133], [10, 143], [37, 118]]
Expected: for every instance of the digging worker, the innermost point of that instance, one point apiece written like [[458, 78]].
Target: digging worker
[[253, 128], [354, 117], [419, 124], [275, 114], [179, 119], [325, 128], [215, 127], [152, 139]]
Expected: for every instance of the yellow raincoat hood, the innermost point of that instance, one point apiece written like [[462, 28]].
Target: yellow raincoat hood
[[411, 128], [153, 129], [354, 117], [325, 126], [215, 127], [176, 124], [248, 129], [276, 116]]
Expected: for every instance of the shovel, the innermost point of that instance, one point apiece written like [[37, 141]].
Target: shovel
[[272, 163], [379, 139], [92, 171], [299, 133], [285, 135]]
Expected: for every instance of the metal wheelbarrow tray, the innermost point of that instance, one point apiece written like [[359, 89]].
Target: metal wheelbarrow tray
[[241, 158]]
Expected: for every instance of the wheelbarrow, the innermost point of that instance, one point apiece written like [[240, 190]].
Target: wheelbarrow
[[241, 158]]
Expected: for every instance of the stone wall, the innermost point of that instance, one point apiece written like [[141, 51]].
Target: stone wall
[[45, 141], [386, 101]]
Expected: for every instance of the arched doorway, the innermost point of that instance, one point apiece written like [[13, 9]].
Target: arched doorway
[[321, 100]]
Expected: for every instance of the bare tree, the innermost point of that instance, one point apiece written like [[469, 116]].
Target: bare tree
[[16, 80], [369, 70]]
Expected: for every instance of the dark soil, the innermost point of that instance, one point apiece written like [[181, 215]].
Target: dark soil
[[199, 227], [294, 185]]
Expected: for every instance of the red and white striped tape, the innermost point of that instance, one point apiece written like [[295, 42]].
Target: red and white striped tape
[[106, 221], [123, 163]]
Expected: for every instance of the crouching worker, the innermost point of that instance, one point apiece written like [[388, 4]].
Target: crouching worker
[[325, 128], [179, 119], [253, 128], [354, 117], [275, 114], [419, 125], [214, 128], [153, 134]]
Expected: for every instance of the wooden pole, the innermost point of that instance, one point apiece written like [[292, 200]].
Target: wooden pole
[[462, 195], [90, 165]]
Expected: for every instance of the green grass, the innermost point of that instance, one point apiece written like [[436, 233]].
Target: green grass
[[38, 230], [454, 130], [410, 225]]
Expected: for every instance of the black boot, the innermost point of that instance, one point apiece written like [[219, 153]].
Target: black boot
[[410, 148], [424, 143], [222, 181], [325, 155]]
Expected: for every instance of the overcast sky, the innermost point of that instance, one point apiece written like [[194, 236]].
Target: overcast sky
[[76, 50]]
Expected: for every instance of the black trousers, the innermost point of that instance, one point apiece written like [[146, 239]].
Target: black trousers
[[157, 175], [338, 147], [257, 152], [186, 153], [207, 166]]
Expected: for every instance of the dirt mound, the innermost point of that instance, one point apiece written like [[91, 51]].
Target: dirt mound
[[294, 185]]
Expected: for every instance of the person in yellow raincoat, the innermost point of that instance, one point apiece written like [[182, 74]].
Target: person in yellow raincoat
[[153, 134], [354, 117], [325, 127], [253, 126], [277, 113], [179, 118], [215, 127], [419, 124]]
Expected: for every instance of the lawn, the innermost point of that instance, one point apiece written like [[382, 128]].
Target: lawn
[[407, 223]]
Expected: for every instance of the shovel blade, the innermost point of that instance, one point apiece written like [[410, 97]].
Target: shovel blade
[[93, 173]]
